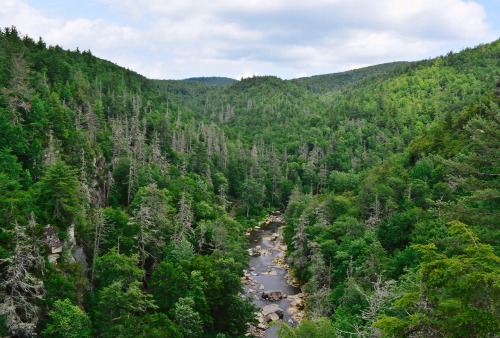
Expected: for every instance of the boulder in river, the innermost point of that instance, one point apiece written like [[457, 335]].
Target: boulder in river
[[262, 326], [272, 308], [272, 295], [255, 251], [272, 317], [297, 301]]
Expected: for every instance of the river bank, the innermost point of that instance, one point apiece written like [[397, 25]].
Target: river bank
[[268, 281]]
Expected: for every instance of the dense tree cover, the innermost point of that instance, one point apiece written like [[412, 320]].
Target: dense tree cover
[[107, 188], [124, 200], [409, 247], [213, 80], [327, 83]]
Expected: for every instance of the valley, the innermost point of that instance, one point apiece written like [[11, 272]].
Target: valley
[[128, 206]]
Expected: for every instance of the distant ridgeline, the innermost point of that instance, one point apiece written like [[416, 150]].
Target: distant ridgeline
[[338, 81], [124, 201], [214, 80]]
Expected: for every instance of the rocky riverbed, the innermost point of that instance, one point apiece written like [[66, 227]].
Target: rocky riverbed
[[268, 282]]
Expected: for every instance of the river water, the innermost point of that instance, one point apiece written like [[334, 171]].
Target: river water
[[268, 272]]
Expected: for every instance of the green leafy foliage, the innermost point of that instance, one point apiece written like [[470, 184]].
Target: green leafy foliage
[[58, 195], [456, 291], [214, 80], [68, 320], [339, 81], [118, 306], [187, 318], [321, 328], [159, 180], [114, 267]]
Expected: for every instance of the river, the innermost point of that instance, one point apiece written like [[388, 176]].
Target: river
[[267, 281]]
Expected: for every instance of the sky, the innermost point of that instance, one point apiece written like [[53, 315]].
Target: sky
[[178, 39]]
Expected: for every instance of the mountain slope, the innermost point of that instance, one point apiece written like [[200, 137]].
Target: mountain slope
[[337, 81], [213, 80], [91, 149], [389, 183]]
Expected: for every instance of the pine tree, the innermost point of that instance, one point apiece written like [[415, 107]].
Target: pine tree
[[252, 193], [68, 321], [189, 321], [59, 195], [477, 171], [119, 308]]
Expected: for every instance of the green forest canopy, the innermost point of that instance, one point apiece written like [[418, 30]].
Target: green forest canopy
[[389, 178]]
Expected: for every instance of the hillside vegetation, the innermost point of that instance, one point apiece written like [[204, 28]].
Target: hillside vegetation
[[124, 201], [335, 82], [213, 80]]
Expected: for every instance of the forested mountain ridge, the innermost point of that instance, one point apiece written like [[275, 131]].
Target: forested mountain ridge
[[403, 247], [213, 80], [327, 83], [94, 150], [124, 200]]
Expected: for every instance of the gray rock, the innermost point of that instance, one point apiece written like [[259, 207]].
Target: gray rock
[[79, 256], [262, 326], [255, 251], [272, 295], [272, 317], [53, 258], [272, 308], [71, 236], [51, 238]]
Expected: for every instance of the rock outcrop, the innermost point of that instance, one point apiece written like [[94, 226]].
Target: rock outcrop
[[51, 238], [297, 305], [56, 246]]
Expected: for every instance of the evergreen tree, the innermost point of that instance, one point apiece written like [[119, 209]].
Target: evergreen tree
[[59, 195], [119, 307], [68, 320], [455, 291], [477, 173], [187, 318]]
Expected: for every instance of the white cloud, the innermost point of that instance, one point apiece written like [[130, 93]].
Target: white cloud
[[185, 38], [95, 34], [31, 21], [301, 74], [447, 18]]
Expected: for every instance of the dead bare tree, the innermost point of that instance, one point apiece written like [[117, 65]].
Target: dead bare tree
[[183, 219], [18, 93], [20, 285]]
